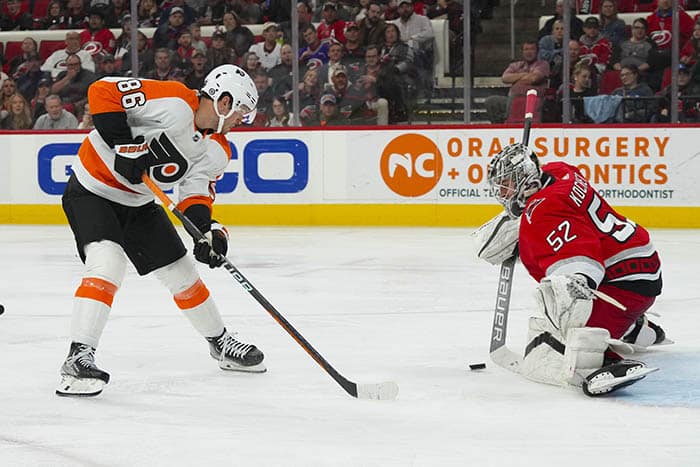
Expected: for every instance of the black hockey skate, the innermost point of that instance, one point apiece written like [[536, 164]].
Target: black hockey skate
[[80, 377], [614, 376], [235, 355], [644, 334]]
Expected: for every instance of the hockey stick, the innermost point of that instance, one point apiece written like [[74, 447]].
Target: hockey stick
[[380, 391], [500, 354]]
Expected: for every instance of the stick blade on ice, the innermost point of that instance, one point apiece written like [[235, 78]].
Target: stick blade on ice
[[381, 391]]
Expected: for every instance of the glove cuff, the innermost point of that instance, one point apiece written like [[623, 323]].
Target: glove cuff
[[216, 226]]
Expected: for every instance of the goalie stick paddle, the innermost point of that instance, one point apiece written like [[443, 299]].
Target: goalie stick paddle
[[500, 354], [380, 391]]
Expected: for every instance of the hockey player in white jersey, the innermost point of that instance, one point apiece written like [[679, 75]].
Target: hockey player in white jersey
[[176, 136]]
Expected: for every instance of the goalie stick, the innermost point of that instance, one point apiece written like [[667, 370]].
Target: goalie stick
[[380, 391], [500, 354]]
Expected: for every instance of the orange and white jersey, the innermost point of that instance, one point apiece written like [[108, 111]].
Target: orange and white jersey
[[163, 113]]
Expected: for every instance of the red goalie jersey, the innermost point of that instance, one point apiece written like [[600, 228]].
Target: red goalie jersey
[[567, 228]]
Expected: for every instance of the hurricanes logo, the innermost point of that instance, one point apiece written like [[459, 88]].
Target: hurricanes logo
[[411, 165]]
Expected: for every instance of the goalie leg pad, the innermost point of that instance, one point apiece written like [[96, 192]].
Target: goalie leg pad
[[563, 308], [585, 353], [544, 354]]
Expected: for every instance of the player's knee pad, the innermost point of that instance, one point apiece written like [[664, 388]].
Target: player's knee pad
[[585, 352], [544, 353], [179, 275], [105, 260], [556, 302]]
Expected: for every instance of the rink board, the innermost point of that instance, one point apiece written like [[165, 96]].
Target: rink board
[[407, 176]]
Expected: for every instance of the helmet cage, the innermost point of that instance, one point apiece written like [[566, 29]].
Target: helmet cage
[[514, 176]]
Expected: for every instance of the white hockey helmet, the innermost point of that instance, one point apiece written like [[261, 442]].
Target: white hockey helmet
[[514, 175], [234, 81]]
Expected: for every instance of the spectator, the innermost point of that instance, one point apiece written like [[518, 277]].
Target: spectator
[[38, 106], [550, 47], [660, 25], [56, 117], [189, 15], [691, 49], [576, 25], [72, 85], [250, 63], [219, 53], [53, 18], [167, 33], [184, 51], [636, 50], [278, 11], [116, 13], [329, 114], [279, 116], [149, 17], [611, 26], [594, 45], [145, 58], [97, 36], [29, 76], [75, 17], [56, 63], [238, 37], [15, 19], [331, 28], [179, 75], [164, 69], [247, 10], [18, 116], [361, 11], [198, 70], [29, 47], [197, 41], [309, 92], [354, 51], [212, 13], [269, 49], [86, 122], [107, 66], [395, 78], [281, 74], [688, 95], [372, 26], [581, 88], [634, 110], [335, 57], [304, 16], [8, 89], [366, 85], [123, 43], [265, 96], [315, 49], [525, 74], [391, 12], [415, 29]]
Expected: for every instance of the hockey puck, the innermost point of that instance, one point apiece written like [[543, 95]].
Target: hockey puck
[[477, 366], [2, 309]]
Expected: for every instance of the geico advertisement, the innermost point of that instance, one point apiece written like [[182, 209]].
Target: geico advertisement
[[264, 167], [628, 166]]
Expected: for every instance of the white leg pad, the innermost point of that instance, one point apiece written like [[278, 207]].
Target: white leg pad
[[562, 310], [544, 359], [585, 349]]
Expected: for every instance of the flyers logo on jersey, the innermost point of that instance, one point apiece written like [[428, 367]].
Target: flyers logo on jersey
[[411, 165], [169, 163]]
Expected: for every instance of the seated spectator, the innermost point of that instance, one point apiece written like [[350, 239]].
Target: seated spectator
[[315, 48], [53, 18], [688, 95], [335, 56], [97, 36], [179, 75], [148, 14], [396, 76], [107, 66], [38, 103], [219, 53], [550, 47], [164, 69], [525, 74], [29, 48], [354, 51], [9, 88], [29, 75], [281, 74], [250, 63], [15, 19], [269, 49], [329, 114], [185, 50], [391, 12], [197, 41], [660, 31], [145, 57], [122, 44], [167, 33], [580, 89], [86, 122], [116, 13], [197, 71], [636, 50], [56, 117], [691, 49], [331, 27], [415, 29], [72, 85], [265, 96], [634, 110], [212, 13], [18, 116], [75, 16], [372, 107], [372, 26], [238, 37], [611, 26], [594, 45], [279, 116], [576, 25], [189, 15], [56, 62], [309, 93]]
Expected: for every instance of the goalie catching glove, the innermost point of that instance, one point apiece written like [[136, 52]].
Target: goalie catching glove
[[496, 240], [212, 251]]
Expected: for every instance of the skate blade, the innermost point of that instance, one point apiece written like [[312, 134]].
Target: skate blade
[[606, 383], [71, 386], [232, 366]]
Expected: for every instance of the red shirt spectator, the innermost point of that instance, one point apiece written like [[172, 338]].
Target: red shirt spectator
[[594, 45], [331, 27], [660, 24], [97, 37]]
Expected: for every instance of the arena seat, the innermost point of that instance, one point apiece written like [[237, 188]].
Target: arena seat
[[41, 7], [517, 110], [609, 82], [12, 49], [47, 47]]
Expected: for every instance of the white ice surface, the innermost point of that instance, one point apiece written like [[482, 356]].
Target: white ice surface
[[409, 305]]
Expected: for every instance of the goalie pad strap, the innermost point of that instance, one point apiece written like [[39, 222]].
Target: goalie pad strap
[[545, 338]]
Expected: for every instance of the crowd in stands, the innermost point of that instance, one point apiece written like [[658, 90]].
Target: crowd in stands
[[361, 61], [618, 73]]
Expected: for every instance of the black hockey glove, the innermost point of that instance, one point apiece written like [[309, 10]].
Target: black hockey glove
[[213, 250], [132, 158]]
